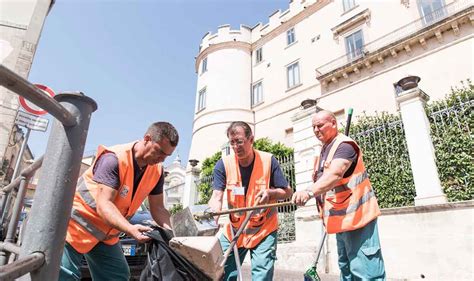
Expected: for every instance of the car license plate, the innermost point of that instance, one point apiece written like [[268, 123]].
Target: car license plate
[[128, 250]]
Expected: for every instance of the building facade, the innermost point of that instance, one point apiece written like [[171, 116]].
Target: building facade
[[342, 53], [174, 183], [21, 23]]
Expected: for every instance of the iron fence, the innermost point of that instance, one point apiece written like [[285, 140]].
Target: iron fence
[[286, 214], [452, 132], [383, 143]]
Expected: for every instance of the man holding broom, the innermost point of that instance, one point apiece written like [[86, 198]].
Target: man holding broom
[[346, 201]]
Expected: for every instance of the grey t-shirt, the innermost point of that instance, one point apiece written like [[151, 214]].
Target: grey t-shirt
[[106, 171], [344, 151]]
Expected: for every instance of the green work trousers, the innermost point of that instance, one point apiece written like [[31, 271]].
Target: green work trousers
[[262, 258], [359, 254], [106, 262]]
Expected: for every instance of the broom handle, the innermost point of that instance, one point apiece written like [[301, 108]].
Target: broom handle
[[244, 209]]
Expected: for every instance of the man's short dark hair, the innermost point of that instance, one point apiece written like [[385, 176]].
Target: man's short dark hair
[[233, 126], [160, 130]]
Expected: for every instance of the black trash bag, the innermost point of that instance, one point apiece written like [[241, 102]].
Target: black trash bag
[[165, 264]]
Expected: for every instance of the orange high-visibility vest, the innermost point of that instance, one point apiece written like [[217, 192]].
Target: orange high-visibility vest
[[263, 222], [351, 204], [86, 228]]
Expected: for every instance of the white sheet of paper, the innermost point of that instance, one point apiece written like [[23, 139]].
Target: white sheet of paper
[[238, 190]]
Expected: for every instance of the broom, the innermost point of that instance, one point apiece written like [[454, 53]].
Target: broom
[[311, 274]]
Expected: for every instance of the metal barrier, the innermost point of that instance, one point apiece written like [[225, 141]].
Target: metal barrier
[[18, 205], [40, 253]]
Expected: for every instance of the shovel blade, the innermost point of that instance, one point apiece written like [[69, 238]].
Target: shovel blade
[[185, 224], [204, 252]]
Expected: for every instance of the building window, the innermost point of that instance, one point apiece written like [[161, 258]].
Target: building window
[[431, 10], [348, 4], [202, 100], [204, 65], [293, 75], [290, 36], [257, 94], [354, 45], [258, 55]]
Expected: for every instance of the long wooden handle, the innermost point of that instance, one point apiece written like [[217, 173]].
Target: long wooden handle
[[244, 209]]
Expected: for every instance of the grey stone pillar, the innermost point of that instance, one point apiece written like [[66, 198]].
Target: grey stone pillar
[[190, 194], [411, 100]]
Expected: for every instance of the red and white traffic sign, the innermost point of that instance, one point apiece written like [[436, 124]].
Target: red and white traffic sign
[[31, 107]]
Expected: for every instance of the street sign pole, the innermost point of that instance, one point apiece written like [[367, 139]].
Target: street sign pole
[[20, 154], [6, 199]]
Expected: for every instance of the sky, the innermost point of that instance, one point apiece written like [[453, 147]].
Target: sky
[[135, 59]]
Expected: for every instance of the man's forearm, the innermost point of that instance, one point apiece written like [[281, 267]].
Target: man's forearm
[[112, 216], [280, 193], [162, 217], [325, 183]]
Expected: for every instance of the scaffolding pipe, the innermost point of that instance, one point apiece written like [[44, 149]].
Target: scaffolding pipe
[[9, 247], [53, 198], [12, 225], [22, 266], [28, 172]]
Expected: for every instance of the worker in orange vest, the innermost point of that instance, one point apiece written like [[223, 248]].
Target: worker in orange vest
[[346, 201], [108, 194], [249, 177]]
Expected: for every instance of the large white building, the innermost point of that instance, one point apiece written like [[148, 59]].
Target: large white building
[[21, 23], [345, 53]]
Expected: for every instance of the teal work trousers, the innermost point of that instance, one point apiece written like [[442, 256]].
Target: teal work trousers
[[262, 258], [106, 262], [359, 254]]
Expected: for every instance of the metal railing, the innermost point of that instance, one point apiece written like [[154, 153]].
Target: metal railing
[[395, 36], [11, 215], [286, 215], [452, 132], [386, 158], [50, 212]]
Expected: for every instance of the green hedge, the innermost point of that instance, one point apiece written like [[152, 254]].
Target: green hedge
[[382, 140]]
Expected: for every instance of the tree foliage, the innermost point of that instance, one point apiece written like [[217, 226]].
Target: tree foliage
[[176, 208]]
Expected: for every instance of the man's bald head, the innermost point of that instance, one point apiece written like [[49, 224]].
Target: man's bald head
[[325, 126], [325, 115]]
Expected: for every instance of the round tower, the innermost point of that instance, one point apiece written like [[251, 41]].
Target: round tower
[[223, 88]]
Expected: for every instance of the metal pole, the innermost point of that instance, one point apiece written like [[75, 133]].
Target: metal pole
[[20, 154], [21, 86], [52, 205], [21, 266], [12, 226], [7, 198]]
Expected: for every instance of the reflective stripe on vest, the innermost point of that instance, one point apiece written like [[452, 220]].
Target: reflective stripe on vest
[[87, 228], [85, 194], [352, 203], [352, 207], [91, 228], [254, 230], [262, 222], [354, 181]]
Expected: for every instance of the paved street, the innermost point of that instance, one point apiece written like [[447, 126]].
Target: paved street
[[287, 275]]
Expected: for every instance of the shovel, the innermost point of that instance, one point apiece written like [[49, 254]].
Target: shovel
[[198, 220], [205, 251]]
